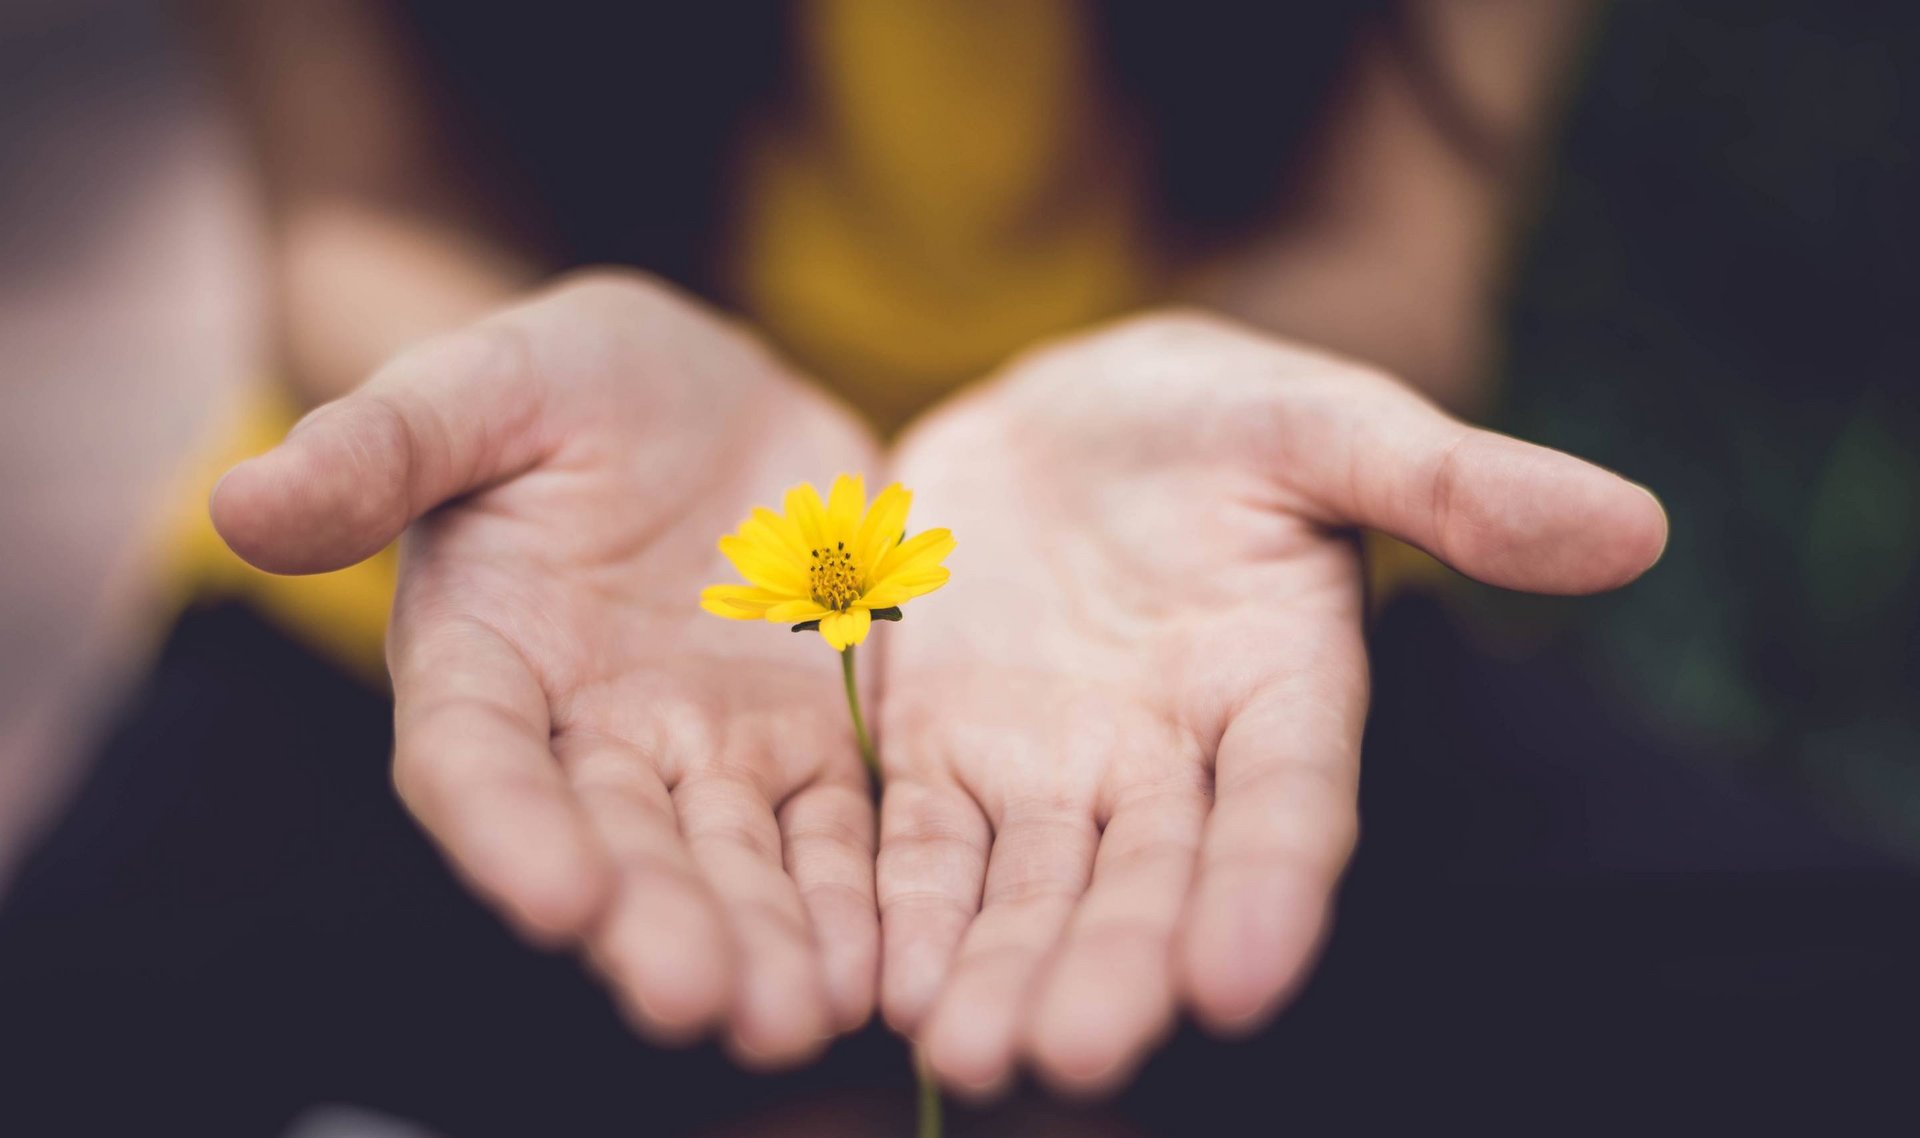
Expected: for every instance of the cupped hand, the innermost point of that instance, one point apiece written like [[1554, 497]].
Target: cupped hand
[[611, 767], [1122, 746]]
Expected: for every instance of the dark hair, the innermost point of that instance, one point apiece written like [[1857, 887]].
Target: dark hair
[[611, 127], [1231, 97]]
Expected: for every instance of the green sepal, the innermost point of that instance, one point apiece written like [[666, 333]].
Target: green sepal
[[891, 612]]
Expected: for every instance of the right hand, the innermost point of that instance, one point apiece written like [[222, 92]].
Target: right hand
[[612, 768], [1123, 745]]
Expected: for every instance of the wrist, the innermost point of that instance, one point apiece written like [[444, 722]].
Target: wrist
[[357, 284]]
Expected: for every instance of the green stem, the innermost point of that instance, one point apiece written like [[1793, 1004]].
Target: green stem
[[929, 1091], [929, 1097], [859, 723]]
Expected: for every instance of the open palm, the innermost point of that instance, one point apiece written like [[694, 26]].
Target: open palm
[[1122, 746], [679, 796]]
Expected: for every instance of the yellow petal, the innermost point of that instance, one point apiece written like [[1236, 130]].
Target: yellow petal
[[845, 503], [768, 570], [793, 612], [843, 629], [777, 534], [737, 602], [923, 550], [882, 526], [904, 587], [808, 515]]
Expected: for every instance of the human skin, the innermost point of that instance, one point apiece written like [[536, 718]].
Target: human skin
[[1123, 744], [677, 797], [380, 244]]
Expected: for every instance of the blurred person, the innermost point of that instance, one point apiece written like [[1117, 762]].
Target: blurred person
[[1220, 269]]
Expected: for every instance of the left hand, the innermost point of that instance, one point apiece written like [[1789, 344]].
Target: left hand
[[614, 770], [1122, 746]]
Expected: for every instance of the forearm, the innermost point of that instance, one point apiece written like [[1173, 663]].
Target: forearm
[[1397, 246], [357, 283], [377, 236]]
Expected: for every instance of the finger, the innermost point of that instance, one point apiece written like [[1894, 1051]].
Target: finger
[[1042, 857], [780, 1015], [662, 943], [473, 763], [1108, 995], [442, 419], [1283, 825], [932, 863], [829, 838], [1372, 453]]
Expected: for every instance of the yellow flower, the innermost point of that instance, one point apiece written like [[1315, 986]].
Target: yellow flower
[[840, 564]]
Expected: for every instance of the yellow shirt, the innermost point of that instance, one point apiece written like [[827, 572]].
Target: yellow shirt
[[948, 190], [945, 193], [951, 190]]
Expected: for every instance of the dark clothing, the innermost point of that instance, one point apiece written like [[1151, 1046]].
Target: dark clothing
[[609, 132], [236, 920]]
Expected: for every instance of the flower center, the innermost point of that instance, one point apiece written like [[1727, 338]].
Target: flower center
[[834, 578]]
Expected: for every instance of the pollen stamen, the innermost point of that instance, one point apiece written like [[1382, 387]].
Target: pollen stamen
[[833, 578]]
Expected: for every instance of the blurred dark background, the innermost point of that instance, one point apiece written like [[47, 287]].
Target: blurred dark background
[[128, 266], [1720, 301]]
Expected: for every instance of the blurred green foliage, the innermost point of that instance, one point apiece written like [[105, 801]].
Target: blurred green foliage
[[1721, 299]]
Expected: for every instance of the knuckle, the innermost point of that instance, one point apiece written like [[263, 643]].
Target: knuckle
[[1321, 847], [839, 898], [381, 450], [1033, 891], [925, 901], [834, 836], [621, 777], [913, 857], [1120, 936], [981, 960], [1157, 850], [782, 915], [727, 821]]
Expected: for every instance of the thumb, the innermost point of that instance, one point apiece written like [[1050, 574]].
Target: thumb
[[440, 420], [1497, 509]]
